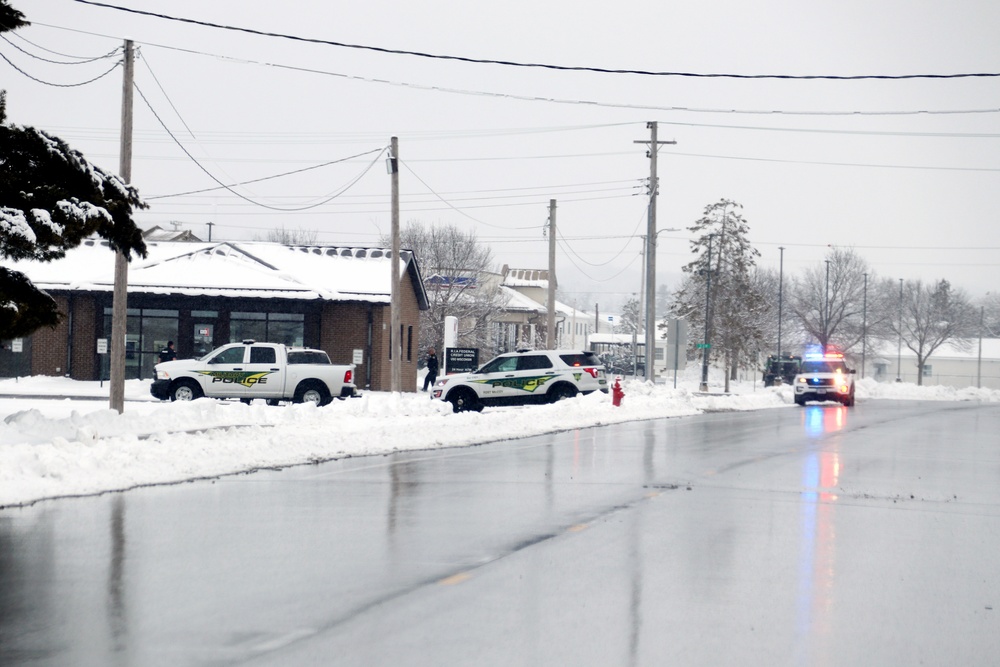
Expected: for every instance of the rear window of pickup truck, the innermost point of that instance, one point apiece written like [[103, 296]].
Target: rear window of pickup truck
[[311, 357]]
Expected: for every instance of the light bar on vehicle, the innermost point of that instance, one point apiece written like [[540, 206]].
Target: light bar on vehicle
[[817, 356]]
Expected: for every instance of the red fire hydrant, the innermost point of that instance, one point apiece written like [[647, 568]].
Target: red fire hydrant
[[616, 392]]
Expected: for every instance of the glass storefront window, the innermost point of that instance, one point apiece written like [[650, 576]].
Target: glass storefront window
[[247, 326], [287, 328], [146, 333]]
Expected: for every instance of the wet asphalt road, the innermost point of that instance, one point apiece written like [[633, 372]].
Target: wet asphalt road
[[816, 536]]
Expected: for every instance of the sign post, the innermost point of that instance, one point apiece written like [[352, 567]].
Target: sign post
[[677, 336]]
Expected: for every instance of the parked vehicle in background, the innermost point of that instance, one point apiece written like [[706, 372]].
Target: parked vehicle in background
[[524, 377], [250, 370], [781, 369]]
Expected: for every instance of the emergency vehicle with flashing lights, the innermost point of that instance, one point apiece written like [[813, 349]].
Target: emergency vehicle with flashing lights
[[824, 376], [524, 377]]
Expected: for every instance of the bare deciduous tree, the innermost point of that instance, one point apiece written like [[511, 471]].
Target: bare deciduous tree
[[284, 236], [843, 303], [935, 314], [460, 280]]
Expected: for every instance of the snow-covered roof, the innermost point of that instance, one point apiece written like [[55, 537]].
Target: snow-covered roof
[[525, 277], [991, 350], [231, 269], [619, 338], [157, 233], [519, 303]]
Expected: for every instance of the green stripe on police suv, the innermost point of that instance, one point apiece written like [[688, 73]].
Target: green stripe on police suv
[[529, 384], [245, 378]]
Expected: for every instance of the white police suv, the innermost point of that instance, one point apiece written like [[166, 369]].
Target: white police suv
[[524, 377], [824, 377]]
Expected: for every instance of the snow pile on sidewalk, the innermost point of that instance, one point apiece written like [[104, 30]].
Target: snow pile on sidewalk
[[51, 448]]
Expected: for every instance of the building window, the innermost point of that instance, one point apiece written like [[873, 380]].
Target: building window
[[409, 343], [286, 328], [927, 371], [147, 332]]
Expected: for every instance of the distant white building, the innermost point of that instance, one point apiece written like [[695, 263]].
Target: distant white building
[[949, 365], [523, 320]]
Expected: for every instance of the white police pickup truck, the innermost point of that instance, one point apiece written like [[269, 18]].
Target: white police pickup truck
[[250, 370]]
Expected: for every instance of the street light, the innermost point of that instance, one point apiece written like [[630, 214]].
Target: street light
[[899, 348], [826, 308], [781, 282]]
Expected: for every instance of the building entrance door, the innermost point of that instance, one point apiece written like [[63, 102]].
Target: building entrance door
[[204, 333]]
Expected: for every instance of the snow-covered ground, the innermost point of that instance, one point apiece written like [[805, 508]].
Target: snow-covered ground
[[52, 447]]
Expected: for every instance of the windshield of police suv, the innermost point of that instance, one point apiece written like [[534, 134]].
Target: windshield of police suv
[[824, 367]]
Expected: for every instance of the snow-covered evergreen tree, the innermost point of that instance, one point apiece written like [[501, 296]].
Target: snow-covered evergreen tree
[[735, 302], [51, 199]]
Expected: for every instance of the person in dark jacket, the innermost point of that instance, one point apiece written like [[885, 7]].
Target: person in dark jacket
[[168, 353], [432, 368]]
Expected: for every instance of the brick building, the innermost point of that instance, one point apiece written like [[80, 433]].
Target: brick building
[[203, 295]]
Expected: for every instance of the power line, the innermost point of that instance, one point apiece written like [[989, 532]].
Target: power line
[[615, 256], [455, 208], [241, 196], [551, 100], [60, 85], [85, 61], [511, 63]]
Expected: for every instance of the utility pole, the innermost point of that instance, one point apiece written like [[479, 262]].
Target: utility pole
[[210, 225], [550, 335], [650, 320], [395, 325], [864, 328], [708, 316], [119, 304], [979, 358]]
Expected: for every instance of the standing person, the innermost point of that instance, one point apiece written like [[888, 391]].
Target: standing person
[[432, 368], [168, 353]]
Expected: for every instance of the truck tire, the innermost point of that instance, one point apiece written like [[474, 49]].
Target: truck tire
[[185, 390], [561, 391], [312, 391], [800, 400]]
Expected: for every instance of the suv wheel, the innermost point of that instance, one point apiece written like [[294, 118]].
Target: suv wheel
[[800, 400], [561, 392], [464, 399]]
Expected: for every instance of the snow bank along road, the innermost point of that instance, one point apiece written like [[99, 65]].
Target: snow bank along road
[[55, 448]]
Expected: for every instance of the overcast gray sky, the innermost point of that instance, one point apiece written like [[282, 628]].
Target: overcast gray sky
[[815, 163]]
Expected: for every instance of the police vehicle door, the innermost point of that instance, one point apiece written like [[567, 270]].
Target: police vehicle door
[[264, 378], [225, 373], [498, 379], [534, 371]]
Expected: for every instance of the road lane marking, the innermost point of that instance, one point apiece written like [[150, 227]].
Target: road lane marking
[[455, 579]]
